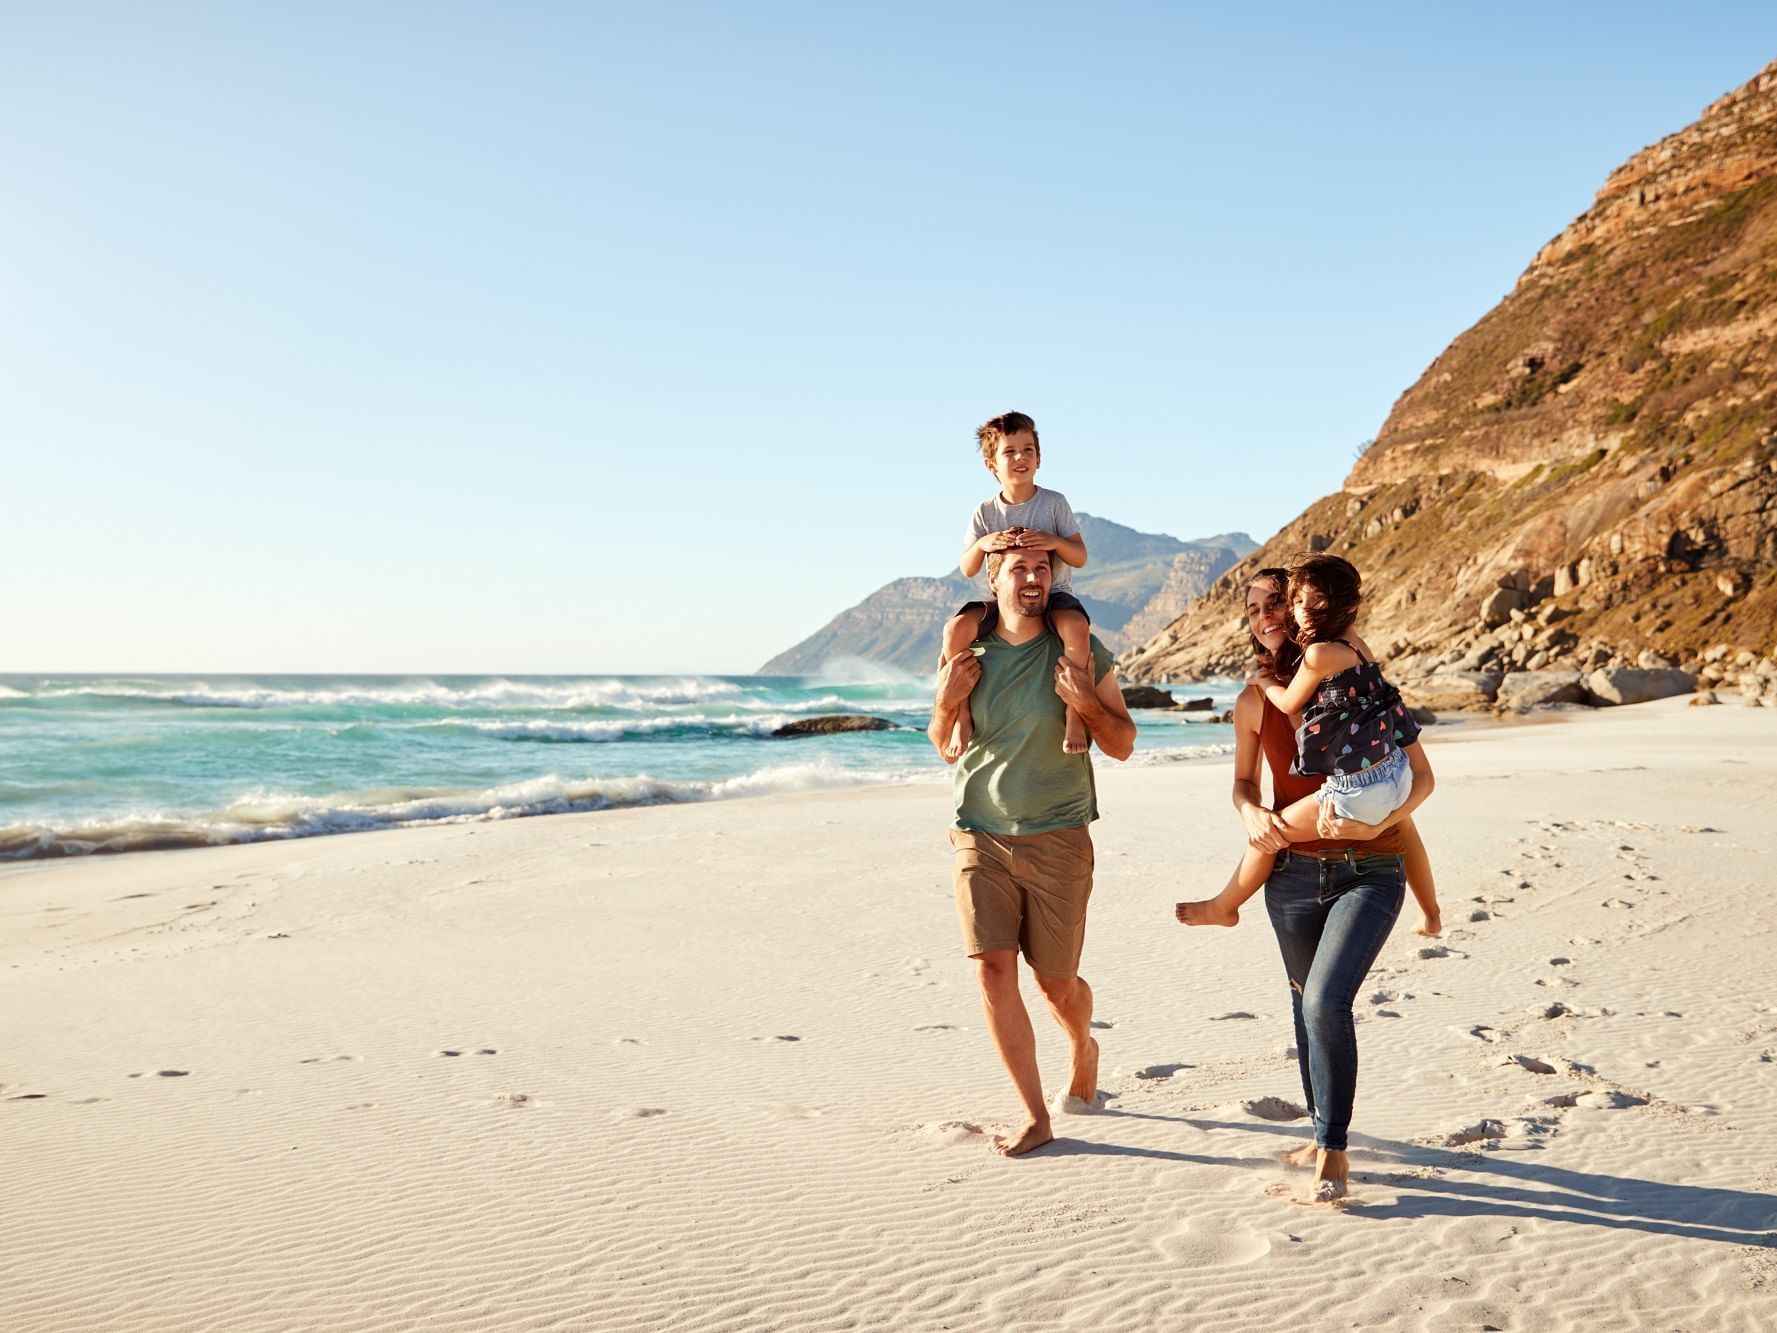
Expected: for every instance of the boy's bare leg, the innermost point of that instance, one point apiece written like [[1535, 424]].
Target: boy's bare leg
[[959, 632], [1419, 880], [1253, 871], [1070, 1001], [1008, 1023], [1076, 633]]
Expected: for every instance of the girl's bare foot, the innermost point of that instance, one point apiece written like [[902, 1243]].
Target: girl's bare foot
[[1028, 1139], [1429, 925], [1208, 912]]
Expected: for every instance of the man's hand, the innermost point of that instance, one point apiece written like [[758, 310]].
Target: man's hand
[[956, 678], [1329, 825], [1074, 685], [1264, 828]]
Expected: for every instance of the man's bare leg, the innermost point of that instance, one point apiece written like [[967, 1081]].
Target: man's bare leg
[[1070, 1000], [1008, 1023]]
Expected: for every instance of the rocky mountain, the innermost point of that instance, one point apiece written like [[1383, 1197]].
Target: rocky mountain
[[1587, 478], [1139, 579]]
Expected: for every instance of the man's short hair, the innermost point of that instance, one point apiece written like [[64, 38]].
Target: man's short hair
[[997, 558], [989, 435]]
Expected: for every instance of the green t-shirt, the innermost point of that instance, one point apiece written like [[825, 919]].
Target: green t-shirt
[[1014, 777]]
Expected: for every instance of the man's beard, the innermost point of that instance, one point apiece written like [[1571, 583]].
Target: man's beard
[[1023, 608]]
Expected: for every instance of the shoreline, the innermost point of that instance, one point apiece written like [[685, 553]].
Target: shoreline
[[724, 1068]]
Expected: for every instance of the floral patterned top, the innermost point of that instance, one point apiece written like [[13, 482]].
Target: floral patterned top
[[1355, 720]]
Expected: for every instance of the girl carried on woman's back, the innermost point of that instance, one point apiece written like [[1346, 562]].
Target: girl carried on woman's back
[[1354, 729]]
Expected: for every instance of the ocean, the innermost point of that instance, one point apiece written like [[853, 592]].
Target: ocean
[[92, 764]]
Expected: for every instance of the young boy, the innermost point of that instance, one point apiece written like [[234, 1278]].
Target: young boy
[[1022, 516]]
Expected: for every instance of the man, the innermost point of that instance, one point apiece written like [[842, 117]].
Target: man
[[1023, 855]]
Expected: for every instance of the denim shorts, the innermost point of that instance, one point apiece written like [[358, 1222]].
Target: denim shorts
[[1371, 796]]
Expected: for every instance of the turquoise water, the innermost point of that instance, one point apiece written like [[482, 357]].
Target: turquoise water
[[128, 763]]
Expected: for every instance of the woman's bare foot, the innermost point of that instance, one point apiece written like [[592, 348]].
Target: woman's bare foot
[[1430, 924], [1305, 1156], [1028, 1139], [1075, 741], [1331, 1172], [1208, 912]]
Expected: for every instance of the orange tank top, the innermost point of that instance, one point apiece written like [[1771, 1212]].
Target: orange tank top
[[1278, 740]]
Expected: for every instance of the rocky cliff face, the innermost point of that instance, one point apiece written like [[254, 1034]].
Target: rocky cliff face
[[1588, 476], [1139, 579]]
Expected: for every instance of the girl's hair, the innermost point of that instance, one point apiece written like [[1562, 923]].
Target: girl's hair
[[1337, 581], [1288, 657]]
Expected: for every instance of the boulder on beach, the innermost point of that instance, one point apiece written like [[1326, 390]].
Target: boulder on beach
[[1196, 705], [1146, 696], [1638, 685], [1523, 690], [835, 722], [1447, 690]]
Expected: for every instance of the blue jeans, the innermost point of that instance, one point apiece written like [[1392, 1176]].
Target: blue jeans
[[1331, 917]]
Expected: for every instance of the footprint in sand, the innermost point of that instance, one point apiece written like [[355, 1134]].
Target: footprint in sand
[[173, 1073], [1480, 1132], [1197, 1244], [639, 1113], [953, 1132], [28, 1097], [782, 1036], [1102, 1024], [1233, 1013], [1160, 1071], [1434, 951], [1531, 1063], [627, 1041], [1481, 1032], [937, 1027], [330, 1059], [1478, 915]]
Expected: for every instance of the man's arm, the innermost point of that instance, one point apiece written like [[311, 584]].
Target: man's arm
[[1101, 707], [1330, 826], [955, 679]]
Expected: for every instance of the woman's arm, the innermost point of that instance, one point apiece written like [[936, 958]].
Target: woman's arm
[[1352, 830], [1264, 828]]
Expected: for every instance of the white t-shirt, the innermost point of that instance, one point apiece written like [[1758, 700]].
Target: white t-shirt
[[1046, 511]]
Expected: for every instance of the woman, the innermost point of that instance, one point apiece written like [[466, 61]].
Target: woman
[[1332, 902]]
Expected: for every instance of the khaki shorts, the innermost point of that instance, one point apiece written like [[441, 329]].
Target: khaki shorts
[[1027, 892]]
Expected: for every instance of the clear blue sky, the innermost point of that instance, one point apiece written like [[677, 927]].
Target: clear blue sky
[[577, 337]]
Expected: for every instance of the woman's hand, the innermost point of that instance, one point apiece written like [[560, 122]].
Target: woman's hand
[[1330, 826], [1264, 828]]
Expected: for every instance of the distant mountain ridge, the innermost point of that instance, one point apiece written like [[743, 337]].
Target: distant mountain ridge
[[1133, 578], [1587, 477]]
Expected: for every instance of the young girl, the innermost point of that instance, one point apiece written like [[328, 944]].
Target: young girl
[[1354, 730]]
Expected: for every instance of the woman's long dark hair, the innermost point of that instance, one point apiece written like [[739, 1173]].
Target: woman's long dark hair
[[1288, 657]]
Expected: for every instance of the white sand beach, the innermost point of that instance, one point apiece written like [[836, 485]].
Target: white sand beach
[[722, 1067]]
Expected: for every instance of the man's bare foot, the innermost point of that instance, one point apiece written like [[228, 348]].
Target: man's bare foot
[[1075, 741], [1028, 1139], [1208, 912], [1305, 1156], [1084, 1083]]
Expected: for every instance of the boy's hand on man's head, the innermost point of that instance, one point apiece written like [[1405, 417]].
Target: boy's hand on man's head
[[1034, 539]]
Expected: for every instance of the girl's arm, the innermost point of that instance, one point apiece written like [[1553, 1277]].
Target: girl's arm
[[1264, 829], [1319, 661]]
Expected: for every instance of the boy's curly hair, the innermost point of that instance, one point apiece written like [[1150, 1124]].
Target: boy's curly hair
[[1337, 581], [989, 434]]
